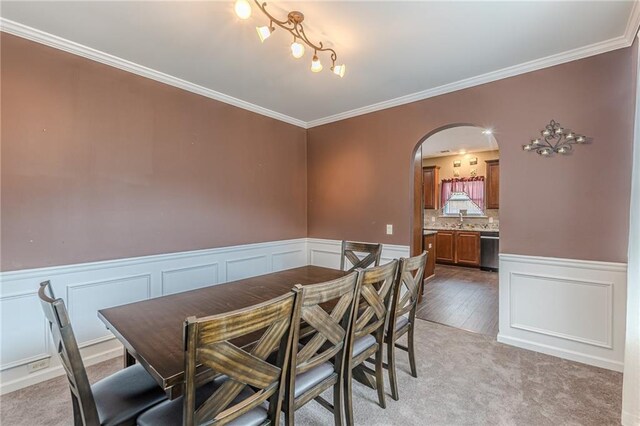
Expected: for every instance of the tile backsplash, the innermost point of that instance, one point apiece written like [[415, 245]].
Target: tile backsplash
[[447, 222]]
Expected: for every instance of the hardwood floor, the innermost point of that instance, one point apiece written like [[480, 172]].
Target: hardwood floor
[[464, 298]]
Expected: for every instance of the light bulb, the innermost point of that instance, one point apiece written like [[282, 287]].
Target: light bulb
[[243, 9], [535, 142], [297, 50], [526, 147], [316, 66], [580, 139], [263, 33], [339, 70]]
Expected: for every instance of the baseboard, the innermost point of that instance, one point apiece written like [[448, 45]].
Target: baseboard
[[562, 353], [51, 373], [629, 419]]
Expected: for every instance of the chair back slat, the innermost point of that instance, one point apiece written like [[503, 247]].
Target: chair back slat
[[406, 289], [375, 296], [208, 342], [360, 255], [66, 346]]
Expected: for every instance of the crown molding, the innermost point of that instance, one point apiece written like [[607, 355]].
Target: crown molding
[[60, 43], [633, 24], [549, 61], [24, 31]]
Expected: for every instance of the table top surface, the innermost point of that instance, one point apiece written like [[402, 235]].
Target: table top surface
[[151, 330]]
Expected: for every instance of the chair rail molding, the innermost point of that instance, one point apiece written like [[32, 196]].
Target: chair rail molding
[[572, 309]]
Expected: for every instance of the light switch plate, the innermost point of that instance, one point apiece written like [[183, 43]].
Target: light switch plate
[[389, 229]]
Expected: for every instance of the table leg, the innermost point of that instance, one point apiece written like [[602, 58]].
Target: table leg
[[129, 360]]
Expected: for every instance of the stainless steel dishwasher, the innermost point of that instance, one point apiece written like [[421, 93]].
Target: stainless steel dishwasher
[[489, 249]]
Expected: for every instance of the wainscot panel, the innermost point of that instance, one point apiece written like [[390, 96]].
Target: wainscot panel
[[569, 308]]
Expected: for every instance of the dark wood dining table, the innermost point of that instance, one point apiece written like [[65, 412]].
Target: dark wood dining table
[[151, 330]]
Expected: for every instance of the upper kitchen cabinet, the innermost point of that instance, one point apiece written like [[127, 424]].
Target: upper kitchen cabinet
[[493, 184], [431, 186]]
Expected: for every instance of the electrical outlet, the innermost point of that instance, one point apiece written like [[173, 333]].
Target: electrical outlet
[[490, 219], [433, 218], [389, 229], [429, 245], [38, 365]]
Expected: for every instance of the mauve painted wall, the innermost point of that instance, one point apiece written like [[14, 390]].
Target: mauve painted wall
[[572, 207], [98, 163]]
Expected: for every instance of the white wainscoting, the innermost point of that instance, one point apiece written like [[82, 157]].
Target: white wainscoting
[[327, 252], [89, 287], [569, 308]]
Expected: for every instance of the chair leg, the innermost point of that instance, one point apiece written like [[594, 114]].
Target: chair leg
[[77, 415], [289, 416], [380, 376], [391, 365], [412, 353], [348, 396], [338, 403]]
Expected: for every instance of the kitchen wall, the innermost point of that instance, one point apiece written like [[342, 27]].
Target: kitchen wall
[[446, 163], [98, 163], [359, 169], [433, 218]]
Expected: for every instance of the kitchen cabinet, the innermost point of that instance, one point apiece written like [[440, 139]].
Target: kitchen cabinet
[[467, 248], [446, 247], [492, 182], [458, 248], [431, 186], [429, 245]]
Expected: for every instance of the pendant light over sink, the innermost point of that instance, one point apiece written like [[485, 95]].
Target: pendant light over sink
[[293, 24]]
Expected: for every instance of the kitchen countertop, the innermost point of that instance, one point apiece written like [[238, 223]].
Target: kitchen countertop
[[433, 230]]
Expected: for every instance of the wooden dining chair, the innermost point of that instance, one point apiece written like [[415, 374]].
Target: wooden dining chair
[[246, 379], [326, 311], [114, 400], [402, 314], [360, 255], [367, 330]]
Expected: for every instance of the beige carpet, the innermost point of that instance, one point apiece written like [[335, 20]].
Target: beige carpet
[[464, 379]]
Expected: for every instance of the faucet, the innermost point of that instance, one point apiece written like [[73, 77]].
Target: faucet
[[461, 219]]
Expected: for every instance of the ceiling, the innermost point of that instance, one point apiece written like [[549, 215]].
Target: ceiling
[[395, 52], [458, 140]]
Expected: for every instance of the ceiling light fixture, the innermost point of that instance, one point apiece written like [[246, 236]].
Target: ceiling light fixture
[[293, 25], [555, 139], [487, 132], [243, 9]]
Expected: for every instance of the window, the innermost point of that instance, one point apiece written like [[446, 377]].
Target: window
[[460, 194], [459, 201]]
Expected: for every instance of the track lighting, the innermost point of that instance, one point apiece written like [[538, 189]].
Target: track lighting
[[316, 66], [293, 24], [297, 49], [243, 9], [264, 32]]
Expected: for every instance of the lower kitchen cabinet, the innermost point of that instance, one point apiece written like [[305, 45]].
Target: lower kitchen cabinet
[[446, 247], [468, 248], [458, 248], [429, 246]]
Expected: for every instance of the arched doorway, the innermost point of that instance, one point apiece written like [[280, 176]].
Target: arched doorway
[[459, 164]]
